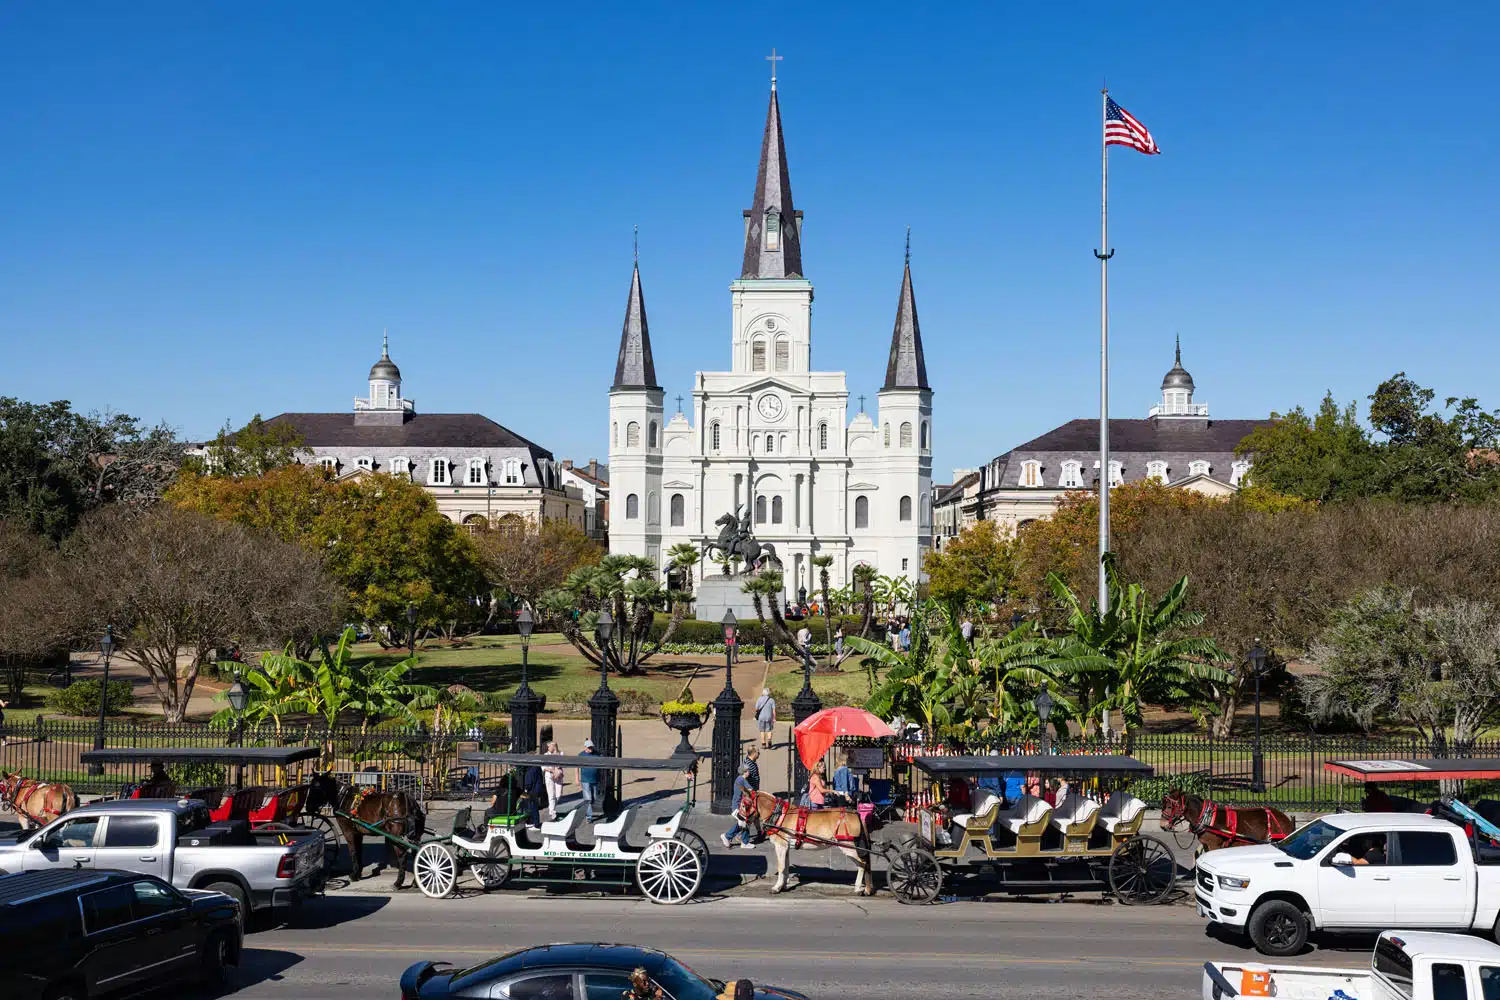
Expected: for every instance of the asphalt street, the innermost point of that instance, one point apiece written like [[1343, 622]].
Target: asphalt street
[[356, 945]]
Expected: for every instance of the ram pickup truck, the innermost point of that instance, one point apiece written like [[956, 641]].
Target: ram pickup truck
[[175, 840], [1352, 871], [1406, 965]]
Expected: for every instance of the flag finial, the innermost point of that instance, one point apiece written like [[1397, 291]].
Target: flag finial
[[1179, 351], [385, 343], [908, 246]]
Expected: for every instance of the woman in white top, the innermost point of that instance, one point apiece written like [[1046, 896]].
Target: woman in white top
[[554, 778]]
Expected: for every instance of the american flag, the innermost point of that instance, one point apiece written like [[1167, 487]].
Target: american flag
[[1121, 128]]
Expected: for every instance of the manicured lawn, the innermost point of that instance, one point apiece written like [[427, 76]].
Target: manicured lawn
[[848, 687]]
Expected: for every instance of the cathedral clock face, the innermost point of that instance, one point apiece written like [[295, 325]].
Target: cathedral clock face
[[771, 407]]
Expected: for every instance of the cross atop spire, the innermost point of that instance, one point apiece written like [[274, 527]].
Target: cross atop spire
[[773, 59], [679, 402], [773, 232], [907, 367]]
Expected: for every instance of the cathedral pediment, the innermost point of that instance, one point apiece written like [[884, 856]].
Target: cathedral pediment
[[763, 383], [863, 486], [678, 484]]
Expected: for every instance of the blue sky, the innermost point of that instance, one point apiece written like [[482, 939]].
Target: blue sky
[[209, 210]]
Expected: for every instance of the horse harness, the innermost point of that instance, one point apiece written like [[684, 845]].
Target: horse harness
[[799, 834], [14, 793], [1208, 822]]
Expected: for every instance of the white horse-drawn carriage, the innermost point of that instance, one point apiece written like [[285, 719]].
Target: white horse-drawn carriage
[[667, 866]]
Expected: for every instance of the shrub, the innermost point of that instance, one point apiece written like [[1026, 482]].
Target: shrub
[[81, 698], [692, 631]]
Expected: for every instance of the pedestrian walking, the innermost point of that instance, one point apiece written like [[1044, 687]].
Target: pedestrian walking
[[742, 790], [804, 637], [769, 645], [838, 641], [751, 767], [905, 637], [765, 715], [555, 779], [588, 780], [535, 789], [967, 628]]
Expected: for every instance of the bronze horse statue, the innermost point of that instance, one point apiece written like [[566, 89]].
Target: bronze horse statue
[[735, 540], [396, 813], [1218, 826], [36, 802], [790, 827]]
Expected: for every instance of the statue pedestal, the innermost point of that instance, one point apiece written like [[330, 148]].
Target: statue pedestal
[[716, 594]]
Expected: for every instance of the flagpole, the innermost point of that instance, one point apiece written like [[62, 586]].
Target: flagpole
[[1104, 253]]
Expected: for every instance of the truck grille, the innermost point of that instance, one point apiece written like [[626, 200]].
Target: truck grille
[[1205, 880]]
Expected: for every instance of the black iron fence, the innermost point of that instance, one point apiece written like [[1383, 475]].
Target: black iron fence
[[1292, 767], [413, 758]]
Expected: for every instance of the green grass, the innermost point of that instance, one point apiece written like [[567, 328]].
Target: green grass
[[848, 687]]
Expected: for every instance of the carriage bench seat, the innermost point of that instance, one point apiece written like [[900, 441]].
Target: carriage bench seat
[[557, 833], [1075, 815], [665, 827], [608, 835], [1027, 821], [975, 827], [1121, 811]]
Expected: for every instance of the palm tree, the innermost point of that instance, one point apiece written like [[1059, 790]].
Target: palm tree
[[822, 561], [684, 556], [272, 691], [1137, 649], [627, 587]]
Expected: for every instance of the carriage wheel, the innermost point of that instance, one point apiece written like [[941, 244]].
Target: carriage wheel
[[492, 867], [436, 870], [330, 831], [669, 871], [1142, 870], [914, 875], [697, 843]]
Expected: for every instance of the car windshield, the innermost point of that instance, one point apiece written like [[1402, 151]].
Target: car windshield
[[1309, 840], [683, 983]]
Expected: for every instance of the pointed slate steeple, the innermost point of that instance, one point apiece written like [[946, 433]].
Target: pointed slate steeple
[[907, 367], [635, 369], [773, 242]]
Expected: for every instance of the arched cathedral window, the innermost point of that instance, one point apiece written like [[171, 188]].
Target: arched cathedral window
[[783, 356], [861, 512], [906, 508], [906, 435], [776, 510], [713, 436], [632, 507], [632, 435], [823, 436], [758, 356]]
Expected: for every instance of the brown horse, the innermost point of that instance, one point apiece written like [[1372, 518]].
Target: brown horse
[[396, 813], [38, 802], [1218, 826], [790, 827]]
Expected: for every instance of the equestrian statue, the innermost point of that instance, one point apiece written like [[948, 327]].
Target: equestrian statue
[[735, 541]]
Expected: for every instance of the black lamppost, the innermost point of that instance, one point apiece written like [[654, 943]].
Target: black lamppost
[[1258, 658], [525, 703], [804, 705], [727, 708], [411, 631], [1016, 620], [106, 649], [1043, 705], [239, 697], [604, 707]]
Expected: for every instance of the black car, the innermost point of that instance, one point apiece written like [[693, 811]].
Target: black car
[[78, 933], [567, 972]]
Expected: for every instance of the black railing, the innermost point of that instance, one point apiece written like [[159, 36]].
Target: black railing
[[48, 750]]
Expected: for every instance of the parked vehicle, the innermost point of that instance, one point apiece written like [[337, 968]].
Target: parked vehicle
[[70, 935], [1405, 965], [175, 841], [565, 971], [1352, 871]]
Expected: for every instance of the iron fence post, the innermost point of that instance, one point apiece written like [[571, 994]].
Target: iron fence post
[[804, 706], [726, 756]]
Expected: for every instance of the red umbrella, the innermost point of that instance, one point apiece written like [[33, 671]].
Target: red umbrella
[[816, 733]]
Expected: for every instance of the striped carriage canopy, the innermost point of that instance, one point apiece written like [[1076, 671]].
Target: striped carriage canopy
[[1115, 765], [1426, 769], [271, 756]]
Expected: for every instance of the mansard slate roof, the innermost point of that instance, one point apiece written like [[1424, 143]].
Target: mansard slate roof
[[635, 369], [773, 189], [907, 367], [1132, 443], [420, 430]]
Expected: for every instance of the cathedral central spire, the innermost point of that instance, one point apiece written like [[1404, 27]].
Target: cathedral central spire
[[773, 231], [907, 367]]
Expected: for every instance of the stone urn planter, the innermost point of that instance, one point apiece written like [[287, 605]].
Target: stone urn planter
[[684, 723]]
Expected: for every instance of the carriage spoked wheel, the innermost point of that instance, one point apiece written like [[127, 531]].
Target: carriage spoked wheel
[[914, 875], [669, 871], [436, 870], [1142, 870], [330, 831], [697, 843], [491, 867]]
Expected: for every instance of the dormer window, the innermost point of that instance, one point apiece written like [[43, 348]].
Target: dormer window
[[1198, 468], [1031, 474], [439, 473], [1116, 473], [364, 462], [1072, 476], [512, 472], [476, 472], [1156, 471], [1237, 473], [329, 462], [773, 230], [400, 466]]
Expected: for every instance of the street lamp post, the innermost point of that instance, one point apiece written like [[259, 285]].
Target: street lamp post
[[525, 703], [1016, 620], [1258, 658], [727, 708], [411, 631], [239, 697], [106, 649], [804, 705], [604, 706], [1043, 706]]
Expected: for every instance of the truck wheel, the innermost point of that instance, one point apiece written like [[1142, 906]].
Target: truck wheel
[[232, 890], [218, 955], [1278, 928]]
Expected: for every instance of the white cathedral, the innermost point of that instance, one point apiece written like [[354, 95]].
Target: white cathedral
[[772, 438]]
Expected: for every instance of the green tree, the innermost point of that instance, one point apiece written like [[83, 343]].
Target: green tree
[[684, 556], [524, 559], [976, 564], [821, 562], [1136, 653], [254, 450], [626, 586]]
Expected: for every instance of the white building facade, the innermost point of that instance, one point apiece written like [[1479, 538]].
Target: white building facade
[[771, 436]]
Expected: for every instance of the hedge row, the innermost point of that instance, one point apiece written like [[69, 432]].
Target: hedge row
[[749, 632]]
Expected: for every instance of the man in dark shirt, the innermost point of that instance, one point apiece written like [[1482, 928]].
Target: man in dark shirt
[[588, 780]]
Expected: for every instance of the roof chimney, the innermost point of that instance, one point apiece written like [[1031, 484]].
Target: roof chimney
[[594, 468]]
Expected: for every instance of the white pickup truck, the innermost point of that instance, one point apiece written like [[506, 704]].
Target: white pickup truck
[[1406, 965], [1352, 871]]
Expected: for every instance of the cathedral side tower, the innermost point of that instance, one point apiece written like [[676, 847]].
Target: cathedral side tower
[[904, 445], [635, 437]]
